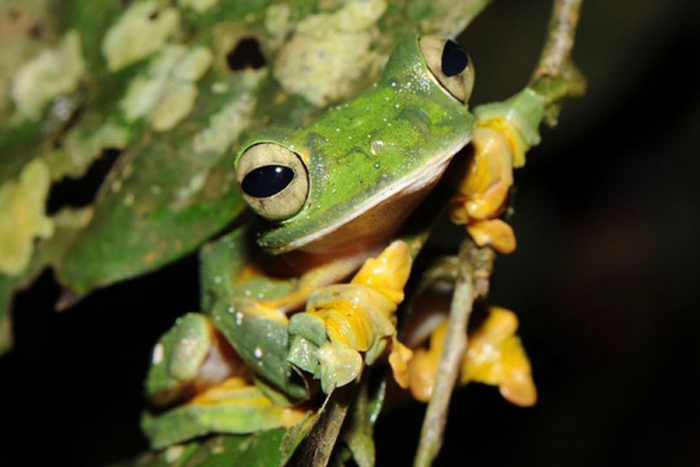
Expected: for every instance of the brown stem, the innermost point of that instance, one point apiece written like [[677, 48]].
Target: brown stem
[[560, 39], [452, 354], [556, 76], [319, 445]]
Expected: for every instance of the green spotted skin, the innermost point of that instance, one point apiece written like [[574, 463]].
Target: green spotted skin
[[359, 151]]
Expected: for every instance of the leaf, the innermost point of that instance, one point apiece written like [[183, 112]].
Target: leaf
[[318, 447], [260, 449], [169, 192], [173, 186], [7, 284], [358, 434]]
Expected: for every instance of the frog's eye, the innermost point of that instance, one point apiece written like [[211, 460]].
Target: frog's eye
[[450, 66], [273, 179]]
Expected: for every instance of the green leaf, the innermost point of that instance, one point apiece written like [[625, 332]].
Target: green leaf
[[261, 449], [7, 284], [358, 432]]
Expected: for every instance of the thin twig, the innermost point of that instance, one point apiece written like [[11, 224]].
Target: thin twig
[[453, 352], [318, 447], [560, 38], [556, 76]]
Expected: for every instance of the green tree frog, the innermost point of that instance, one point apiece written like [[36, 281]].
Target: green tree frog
[[329, 196]]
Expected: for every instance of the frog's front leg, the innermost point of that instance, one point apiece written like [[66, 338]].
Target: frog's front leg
[[198, 383], [346, 326], [318, 272], [504, 132], [249, 304]]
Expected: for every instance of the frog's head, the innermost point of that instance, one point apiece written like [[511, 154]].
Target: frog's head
[[352, 177]]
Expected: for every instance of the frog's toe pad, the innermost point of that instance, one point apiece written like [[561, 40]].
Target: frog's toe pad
[[340, 364], [494, 233]]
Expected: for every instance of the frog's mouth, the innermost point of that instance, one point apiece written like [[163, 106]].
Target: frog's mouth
[[378, 218]]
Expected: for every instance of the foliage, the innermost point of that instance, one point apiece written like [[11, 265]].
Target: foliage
[[167, 89]]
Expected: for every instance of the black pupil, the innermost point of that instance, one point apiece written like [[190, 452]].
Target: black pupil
[[454, 59], [267, 180]]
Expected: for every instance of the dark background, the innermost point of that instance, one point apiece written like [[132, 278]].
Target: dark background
[[603, 280]]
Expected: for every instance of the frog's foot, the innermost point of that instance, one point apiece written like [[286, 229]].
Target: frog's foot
[[234, 406], [346, 326], [482, 195], [495, 233], [494, 356], [504, 132], [198, 384], [422, 368], [483, 190], [399, 357], [188, 359]]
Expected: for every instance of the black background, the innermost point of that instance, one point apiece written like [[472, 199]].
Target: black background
[[604, 278]]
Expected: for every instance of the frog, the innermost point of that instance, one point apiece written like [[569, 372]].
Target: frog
[[328, 197], [333, 193]]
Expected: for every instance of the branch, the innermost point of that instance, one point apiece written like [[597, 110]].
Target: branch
[[318, 447], [453, 352], [556, 76]]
